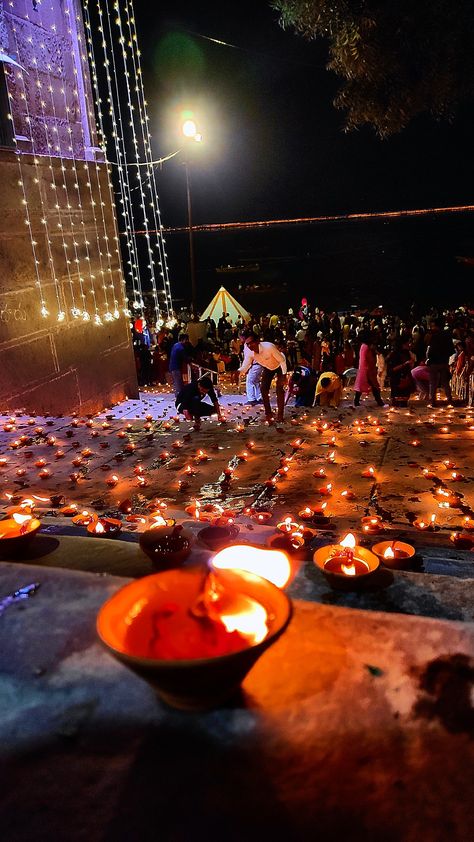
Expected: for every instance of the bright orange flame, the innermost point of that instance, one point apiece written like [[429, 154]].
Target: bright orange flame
[[273, 565], [348, 569], [349, 541], [158, 520], [21, 519]]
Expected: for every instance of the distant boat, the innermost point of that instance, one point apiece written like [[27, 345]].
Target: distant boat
[[229, 270]]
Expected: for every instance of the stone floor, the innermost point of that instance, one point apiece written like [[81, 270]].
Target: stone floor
[[356, 723]]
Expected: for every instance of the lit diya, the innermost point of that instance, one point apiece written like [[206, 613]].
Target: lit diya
[[346, 564], [372, 524], [348, 494], [368, 473], [16, 533], [468, 522], [425, 523], [462, 540], [325, 490], [216, 537], [165, 543], [112, 481], [288, 525], [84, 518], [306, 513], [194, 635], [105, 527], [396, 554]]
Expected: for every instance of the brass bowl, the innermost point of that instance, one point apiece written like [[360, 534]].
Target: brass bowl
[[193, 684]]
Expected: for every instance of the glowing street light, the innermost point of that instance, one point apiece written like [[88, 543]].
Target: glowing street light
[[189, 130]]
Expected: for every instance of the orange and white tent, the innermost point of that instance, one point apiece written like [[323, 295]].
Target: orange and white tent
[[224, 302]]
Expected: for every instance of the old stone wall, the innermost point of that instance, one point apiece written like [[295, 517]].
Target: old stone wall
[[48, 365]]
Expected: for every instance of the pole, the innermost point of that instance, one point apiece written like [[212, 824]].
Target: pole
[[192, 265]]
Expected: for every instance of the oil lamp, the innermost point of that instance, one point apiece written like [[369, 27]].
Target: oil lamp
[[69, 510], [105, 527], [415, 443], [288, 525], [296, 444], [163, 456], [74, 477], [369, 473], [262, 516], [250, 445], [45, 473], [16, 533], [372, 524], [166, 544], [348, 494], [346, 564], [201, 456], [194, 636], [468, 522], [190, 471], [429, 474], [321, 473], [306, 513], [84, 518], [425, 523], [396, 554], [325, 490], [112, 481], [461, 540], [456, 476]]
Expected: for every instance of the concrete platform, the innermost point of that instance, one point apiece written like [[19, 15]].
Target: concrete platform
[[355, 725]]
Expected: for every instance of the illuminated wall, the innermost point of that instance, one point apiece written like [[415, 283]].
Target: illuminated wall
[[64, 330]]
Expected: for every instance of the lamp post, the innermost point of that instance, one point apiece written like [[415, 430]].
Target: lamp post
[[190, 131]]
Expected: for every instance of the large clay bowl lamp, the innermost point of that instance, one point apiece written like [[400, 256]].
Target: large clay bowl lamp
[[128, 624], [17, 533]]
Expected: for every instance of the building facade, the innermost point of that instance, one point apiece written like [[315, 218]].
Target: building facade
[[65, 342]]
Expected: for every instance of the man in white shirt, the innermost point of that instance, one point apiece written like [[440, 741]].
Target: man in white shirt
[[273, 362]]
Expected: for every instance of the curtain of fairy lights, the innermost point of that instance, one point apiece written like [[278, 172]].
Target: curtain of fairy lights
[[115, 68]]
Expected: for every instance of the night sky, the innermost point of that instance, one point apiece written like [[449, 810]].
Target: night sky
[[274, 147]]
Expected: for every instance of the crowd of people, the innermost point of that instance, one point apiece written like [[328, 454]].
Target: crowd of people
[[311, 355]]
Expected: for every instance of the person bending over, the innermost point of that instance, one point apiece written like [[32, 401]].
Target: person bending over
[[329, 390], [190, 401]]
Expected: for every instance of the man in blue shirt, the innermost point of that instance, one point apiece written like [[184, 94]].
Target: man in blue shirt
[[180, 354]]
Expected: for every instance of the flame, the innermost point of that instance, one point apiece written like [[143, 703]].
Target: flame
[[249, 618], [21, 519], [349, 541], [99, 527], [389, 554], [41, 499], [433, 518], [158, 520], [273, 565], [348, 569]]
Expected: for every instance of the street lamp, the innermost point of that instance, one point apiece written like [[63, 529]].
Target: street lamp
[[189, 130]]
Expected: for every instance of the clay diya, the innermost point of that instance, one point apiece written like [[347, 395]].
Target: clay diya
[[346, 565], [394, 554], [372, 524], [166, 546], [461, 540], [194, 637], [217, 537], [16, 533]]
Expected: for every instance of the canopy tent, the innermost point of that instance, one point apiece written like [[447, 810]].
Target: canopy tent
[[224, 302]]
